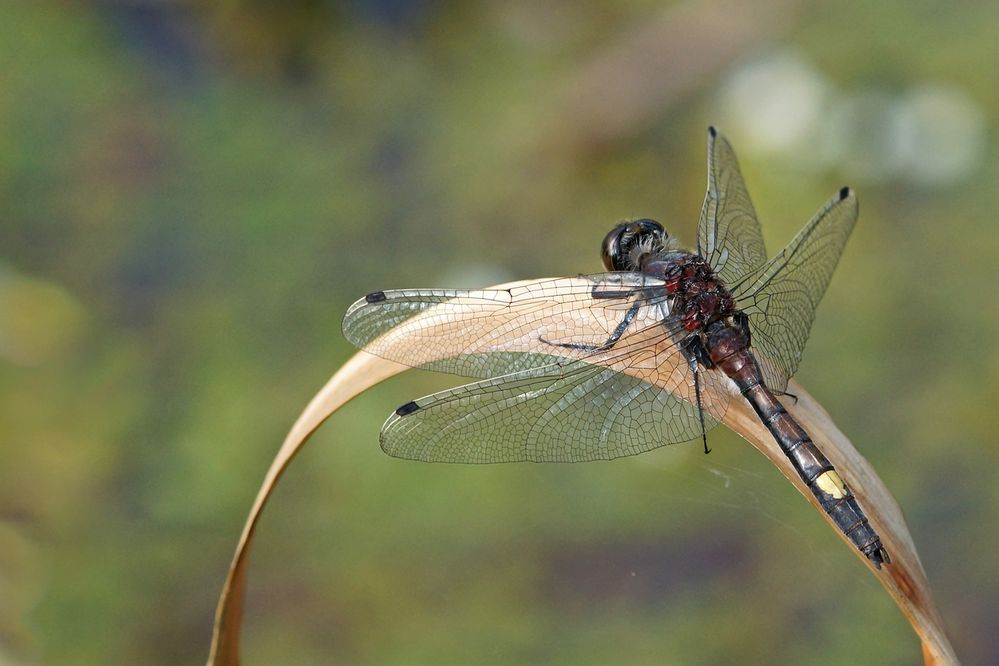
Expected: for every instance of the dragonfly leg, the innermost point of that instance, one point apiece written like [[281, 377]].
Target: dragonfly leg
[[609, 342], [785, 394], [695, 352], [697, 355], [700, 410]]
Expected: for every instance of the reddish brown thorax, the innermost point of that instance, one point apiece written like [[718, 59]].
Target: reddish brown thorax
[[699, 297]]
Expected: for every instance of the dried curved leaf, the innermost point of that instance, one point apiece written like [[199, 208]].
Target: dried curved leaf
[[904, 578], [356, 376]]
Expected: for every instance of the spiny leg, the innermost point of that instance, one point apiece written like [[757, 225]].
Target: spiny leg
[[695, 352], [700, 410], [696, 355], [785, 394], [614, 337]]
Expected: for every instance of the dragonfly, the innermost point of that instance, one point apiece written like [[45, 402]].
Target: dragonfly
[[648, 353]]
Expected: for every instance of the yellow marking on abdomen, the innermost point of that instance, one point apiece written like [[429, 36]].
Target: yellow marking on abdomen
[[830, 483]]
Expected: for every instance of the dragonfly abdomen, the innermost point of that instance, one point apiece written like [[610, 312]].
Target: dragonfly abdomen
[[729, 351], [815, 470]]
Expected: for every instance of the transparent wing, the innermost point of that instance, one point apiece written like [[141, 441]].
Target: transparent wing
[[728, 234], [780, 297], [575, 369], [569, 411], [490, 332]]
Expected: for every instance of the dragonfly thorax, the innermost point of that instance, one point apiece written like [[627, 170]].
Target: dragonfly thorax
[[699, 297]]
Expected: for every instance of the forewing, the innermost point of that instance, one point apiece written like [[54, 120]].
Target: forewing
[[489, 332], [780, 298], [569, 411], [728, 234]]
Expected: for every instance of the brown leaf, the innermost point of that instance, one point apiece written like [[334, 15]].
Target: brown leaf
[[356, 376]]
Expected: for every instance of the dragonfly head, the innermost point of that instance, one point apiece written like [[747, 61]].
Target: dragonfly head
[[630, 244]]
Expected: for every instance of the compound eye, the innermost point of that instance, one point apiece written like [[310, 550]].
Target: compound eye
[[616, 250]]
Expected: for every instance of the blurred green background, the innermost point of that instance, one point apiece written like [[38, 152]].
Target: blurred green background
[[192, 194]]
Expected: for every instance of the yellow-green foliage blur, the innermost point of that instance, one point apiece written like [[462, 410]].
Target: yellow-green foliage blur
[[192, 193]]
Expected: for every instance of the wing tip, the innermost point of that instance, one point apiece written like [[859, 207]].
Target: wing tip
[[712, 131], [375, 297], [845, 192]]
